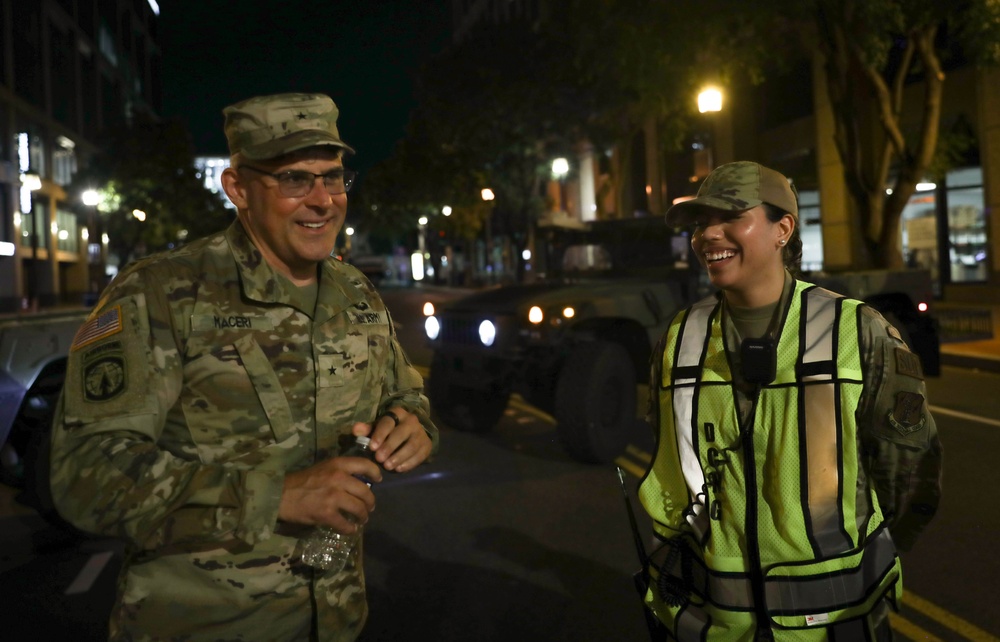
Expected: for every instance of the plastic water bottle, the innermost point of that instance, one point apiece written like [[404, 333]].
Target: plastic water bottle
[[325, 548]]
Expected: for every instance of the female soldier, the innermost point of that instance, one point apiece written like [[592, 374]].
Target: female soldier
[[795, 451]]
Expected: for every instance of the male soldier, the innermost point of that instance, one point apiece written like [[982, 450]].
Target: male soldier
[[212, 389]]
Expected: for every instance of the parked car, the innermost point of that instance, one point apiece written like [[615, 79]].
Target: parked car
[[374, 266]]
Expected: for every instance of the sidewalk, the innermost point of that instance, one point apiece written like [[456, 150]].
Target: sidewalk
[[984, 354]]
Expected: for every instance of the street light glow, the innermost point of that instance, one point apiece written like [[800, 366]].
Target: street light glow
[[710, 99], [422, 220], [487, 194], [32, 182], [139, 215], [446, 210], [90, 197], [349, 231], [560, 167]]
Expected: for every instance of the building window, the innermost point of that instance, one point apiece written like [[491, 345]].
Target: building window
[[967, 246], [106, 43], [920, 241], [964, 258], [811, 231], [63, 161], [34, 232], [67, 232]]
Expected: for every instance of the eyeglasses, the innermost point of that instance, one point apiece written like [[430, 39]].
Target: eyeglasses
[[297, 182]]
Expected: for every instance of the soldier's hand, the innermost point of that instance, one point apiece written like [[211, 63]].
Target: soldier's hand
[[330, 494], [398, 440]]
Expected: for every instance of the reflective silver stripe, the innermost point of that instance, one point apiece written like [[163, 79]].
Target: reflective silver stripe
[[689, 354], [728, 590], [820, 414], [691, 624], [821, 313], [833, 590], [827, 590]]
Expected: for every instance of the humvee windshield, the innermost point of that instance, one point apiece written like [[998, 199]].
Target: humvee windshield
[[621, 247]]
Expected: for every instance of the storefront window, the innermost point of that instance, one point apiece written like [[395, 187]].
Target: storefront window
[[964, 260], [811, 231], [920, 241], [967, 245]]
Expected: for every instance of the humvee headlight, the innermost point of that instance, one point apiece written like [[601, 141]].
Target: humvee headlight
[[432, 327], [535, 315], [569, 312], [428, 309], [487, 333]]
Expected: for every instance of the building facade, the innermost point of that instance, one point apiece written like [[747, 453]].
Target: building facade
[[69, 70]]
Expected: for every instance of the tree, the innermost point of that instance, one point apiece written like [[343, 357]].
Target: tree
[[873, 50], [147, 171]]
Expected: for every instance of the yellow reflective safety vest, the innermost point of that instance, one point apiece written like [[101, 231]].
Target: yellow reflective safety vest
[[770, 527]]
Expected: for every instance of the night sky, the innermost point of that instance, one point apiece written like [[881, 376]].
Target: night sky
[[363, 54]]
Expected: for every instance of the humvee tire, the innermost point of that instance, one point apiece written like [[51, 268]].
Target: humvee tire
[[595, 401], [461, 407]]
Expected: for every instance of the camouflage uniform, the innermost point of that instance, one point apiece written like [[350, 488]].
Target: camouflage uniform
[[201, 379]]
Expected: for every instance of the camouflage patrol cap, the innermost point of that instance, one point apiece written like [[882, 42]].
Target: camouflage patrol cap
[[735, 187], [270, 126]]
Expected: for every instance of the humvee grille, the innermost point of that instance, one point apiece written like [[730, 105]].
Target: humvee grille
[[460, 331]]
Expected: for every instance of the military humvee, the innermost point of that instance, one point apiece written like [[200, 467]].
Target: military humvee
[[576, 343]]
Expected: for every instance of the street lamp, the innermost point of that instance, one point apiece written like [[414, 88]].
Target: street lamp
[[446, 210], [709, 102], [560, 168], [489, 196]]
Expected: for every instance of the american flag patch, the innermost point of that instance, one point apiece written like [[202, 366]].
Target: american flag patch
[[99, 327]]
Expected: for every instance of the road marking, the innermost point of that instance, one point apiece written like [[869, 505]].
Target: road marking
[[631, 467], [964, 415], [89, 573], [639, 454], [904, 627], [516, 401], [963, 627]]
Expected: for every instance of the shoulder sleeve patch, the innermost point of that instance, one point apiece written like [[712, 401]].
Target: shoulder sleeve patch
[[908, 364], [104, 325], [907, 415]]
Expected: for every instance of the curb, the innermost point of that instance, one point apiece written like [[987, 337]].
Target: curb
[[967, 361]]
